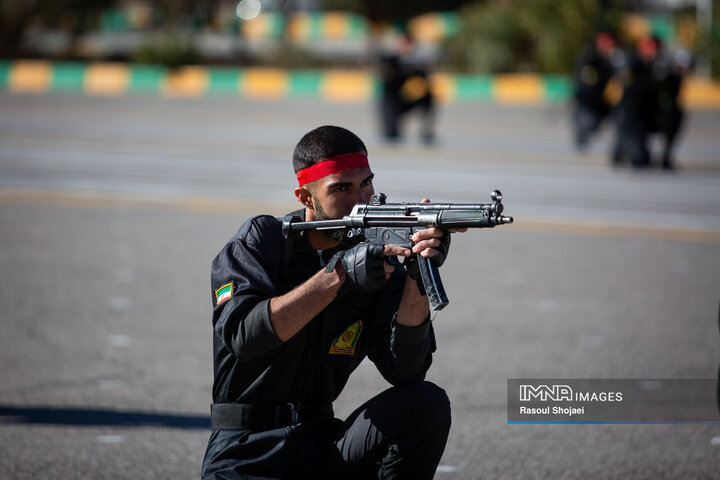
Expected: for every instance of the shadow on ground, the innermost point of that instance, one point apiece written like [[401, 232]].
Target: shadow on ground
[[99, 417]]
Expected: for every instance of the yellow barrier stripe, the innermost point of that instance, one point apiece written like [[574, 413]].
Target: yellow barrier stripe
[[187, 82], [107, 79], [299, 27], [265, 83], [522, 89], [30, 76], [346, 86], [443, 86], [427, 28], [335, 26], [257, 29], [698, 93]]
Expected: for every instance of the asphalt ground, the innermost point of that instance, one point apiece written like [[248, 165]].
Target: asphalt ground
[[112, 209]]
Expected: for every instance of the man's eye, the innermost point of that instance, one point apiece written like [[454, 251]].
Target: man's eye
[[340, 189]]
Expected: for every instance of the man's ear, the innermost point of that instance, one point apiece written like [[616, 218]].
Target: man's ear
[[305, 197]]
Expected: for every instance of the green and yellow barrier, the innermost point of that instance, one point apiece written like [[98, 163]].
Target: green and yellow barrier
[[347, 86]]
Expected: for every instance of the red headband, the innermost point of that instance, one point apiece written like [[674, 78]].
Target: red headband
[[332, 165]]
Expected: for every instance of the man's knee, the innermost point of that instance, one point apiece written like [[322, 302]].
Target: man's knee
[[428, 401], [430, 395], [437, 404]]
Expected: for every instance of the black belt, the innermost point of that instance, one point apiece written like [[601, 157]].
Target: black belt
[[240, 416]]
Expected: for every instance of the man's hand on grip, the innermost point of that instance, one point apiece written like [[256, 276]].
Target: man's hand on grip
[[363, 265]]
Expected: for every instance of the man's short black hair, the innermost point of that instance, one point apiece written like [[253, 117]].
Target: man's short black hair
[[325, 142]]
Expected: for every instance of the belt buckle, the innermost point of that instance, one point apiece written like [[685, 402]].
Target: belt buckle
[[294, 412]]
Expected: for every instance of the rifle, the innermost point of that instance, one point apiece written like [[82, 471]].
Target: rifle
[[385, 223]]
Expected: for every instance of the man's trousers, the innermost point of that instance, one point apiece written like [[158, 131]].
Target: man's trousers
[[400, 433]]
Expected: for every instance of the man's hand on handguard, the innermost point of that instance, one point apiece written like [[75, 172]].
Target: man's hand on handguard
[[432, 243]]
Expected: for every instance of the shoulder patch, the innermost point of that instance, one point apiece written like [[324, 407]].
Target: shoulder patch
[[345, 343], [224, 293]]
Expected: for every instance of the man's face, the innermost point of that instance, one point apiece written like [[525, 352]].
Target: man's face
[[335, 195]]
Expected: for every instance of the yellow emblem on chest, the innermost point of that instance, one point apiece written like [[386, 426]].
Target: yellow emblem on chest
[[345, 343]]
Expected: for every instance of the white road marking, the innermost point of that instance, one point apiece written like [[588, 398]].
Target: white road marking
[[110, 439], [446, 469], [119, 340]]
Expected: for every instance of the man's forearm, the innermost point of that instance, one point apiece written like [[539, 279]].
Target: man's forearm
[[289, 313], [414, 307]]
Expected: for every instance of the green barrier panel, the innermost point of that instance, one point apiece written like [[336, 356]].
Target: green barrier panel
[[557, 88], [4, 73], [358, 27], [472, 87], [376, 89], [305, 84], [68, 77], [241, 81], [114, 20], [663, 27], [223, 80], [146, 79], [277, 25], [315, 27], [450, 22]]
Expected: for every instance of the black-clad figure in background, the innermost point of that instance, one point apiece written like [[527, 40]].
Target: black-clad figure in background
[[406, 87], [637, 111], [592, 74], [671, 67]]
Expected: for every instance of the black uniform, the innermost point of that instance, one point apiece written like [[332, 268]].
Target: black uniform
[[268, 438], [405, 87], [592, 75], [636, 113], [669, 112]]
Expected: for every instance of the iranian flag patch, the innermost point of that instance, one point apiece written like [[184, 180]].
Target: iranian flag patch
[[223, 293]]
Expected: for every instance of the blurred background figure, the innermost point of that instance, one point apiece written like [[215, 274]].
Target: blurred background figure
[[406, 86], [636, 114], [592, 73], [671, 67]]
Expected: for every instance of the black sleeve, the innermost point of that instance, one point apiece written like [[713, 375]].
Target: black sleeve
[[249, 268], [402, 354]]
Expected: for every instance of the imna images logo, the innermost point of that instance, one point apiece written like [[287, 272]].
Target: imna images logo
[[565, 393], [544, 393]]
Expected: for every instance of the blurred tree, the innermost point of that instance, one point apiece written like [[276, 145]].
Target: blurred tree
[[14, 18], [525, 35], [17, 16], [186, 13], [393, 11]]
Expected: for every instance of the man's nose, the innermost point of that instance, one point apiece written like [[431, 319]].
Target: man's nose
[[361, 196], [364, 195]]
